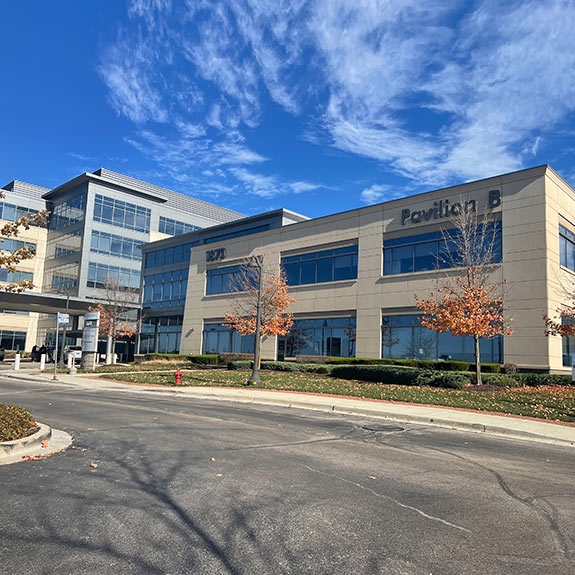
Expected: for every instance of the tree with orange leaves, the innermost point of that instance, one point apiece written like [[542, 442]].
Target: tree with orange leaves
[[254, 285], [468, 303]]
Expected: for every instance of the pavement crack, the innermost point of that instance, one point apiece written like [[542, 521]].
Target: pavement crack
[[561, 541], [395, 501]]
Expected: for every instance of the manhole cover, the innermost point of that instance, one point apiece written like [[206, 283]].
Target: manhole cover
[[383, 428]]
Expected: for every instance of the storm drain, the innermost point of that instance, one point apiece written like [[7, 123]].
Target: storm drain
[[383, 428]]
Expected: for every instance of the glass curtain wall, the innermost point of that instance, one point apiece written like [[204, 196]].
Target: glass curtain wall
[[403, 337]]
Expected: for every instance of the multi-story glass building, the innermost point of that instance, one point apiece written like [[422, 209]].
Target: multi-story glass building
[[97, 222], [355, 275]]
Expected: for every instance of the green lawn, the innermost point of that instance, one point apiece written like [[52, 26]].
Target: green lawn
[[549, 402]]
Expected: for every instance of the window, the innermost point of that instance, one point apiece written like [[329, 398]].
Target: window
[[403, 337], [68, 213], [15, 277], [12, 212], [326, 337], [14, 312], [222, 280], [431, 251], [237, 234], [121, 214], [567, 248], [165, 289], [175, 228], [172, 255], [218, 338], [113, 245], [161, 334], [11, 245], [98, 275], [13, 340], [319, 267]]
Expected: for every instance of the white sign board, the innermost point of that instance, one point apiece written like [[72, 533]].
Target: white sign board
[[63, 318]]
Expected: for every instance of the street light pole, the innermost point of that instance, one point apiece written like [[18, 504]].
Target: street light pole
[[256, 262]]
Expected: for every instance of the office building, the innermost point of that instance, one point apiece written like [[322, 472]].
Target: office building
[[97, 222], [355, 275]]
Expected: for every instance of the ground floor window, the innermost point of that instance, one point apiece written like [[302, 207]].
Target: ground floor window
[[13, 340], [218, 338], [403, 337], [568, 350], [334, 337], [161, 334]]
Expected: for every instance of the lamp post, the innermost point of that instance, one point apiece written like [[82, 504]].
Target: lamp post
[[254, 379]]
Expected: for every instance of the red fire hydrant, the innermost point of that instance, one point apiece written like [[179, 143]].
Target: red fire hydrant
[[178, 377]]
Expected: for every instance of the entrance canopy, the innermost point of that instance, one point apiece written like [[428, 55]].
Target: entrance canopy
[[44, 303]]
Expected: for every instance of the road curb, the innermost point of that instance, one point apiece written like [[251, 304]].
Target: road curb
[[26, 443]]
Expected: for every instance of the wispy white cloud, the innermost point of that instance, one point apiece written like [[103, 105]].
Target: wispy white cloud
[[432, 90], [375, 194]]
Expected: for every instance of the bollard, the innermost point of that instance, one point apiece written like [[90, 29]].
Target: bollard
[[17, 361], [178, 377]]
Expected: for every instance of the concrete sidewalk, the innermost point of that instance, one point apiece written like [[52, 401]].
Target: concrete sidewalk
[[479, 422]]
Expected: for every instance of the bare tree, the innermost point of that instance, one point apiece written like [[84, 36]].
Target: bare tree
[[118, 314]]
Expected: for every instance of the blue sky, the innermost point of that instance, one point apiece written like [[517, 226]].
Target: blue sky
[[315, 106]]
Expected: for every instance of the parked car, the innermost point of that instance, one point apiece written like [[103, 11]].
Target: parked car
[[75, 350]]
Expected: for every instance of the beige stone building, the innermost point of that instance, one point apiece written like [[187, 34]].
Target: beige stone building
[[355, 274]]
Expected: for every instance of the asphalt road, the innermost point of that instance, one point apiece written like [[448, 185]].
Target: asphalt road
[[156, 484]]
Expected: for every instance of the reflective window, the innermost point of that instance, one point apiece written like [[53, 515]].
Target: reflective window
[[224, 280], [11, 245], [333, 337], [99, 274], [237, 234], [113, 245], [67, 213], [430, 251], [175, 228], [15, 277], [323, 266], [403, 337], [12, 212], [174, 254], [161, 334], [12, 340], [165, 289], [218, 338], [121, 214], [567, 248]]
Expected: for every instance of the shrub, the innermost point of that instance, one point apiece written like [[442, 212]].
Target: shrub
[[378, 373], [168, 356], [288, 366], [226, 357], [240, 364], [500, 380], [538, 379], [445, 379], [293, 367], [15, 422], [489, 368], [204, 359]]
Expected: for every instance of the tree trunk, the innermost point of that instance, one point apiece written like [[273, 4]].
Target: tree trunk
[[477, 361]]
